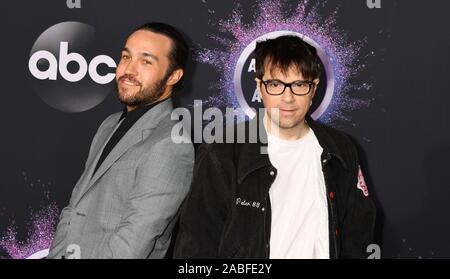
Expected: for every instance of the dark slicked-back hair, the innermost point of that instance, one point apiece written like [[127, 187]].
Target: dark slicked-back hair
[[179, 53], [285, 52]]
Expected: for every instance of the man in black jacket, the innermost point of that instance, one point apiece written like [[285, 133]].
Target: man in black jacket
[[301, 196]]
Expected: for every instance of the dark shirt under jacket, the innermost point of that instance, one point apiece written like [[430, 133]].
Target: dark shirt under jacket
[[129, 118]]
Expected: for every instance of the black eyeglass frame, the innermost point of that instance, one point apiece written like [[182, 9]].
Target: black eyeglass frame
[[310, 84]]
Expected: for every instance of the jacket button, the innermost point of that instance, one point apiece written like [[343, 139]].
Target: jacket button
[[331, 195], [272, 173]]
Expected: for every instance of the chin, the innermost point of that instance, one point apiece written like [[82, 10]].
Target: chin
[[289, 124], [126, 94], [126, 101]]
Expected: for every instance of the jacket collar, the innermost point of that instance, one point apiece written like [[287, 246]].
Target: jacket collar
[[327, 141], [254, 156]]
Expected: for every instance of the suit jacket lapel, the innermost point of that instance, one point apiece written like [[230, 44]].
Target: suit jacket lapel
[[132, 137], [103, 137], [140, 130]]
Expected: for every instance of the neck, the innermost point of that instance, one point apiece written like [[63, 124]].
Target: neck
[[290, 134]]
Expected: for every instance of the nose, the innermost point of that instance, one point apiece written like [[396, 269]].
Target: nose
[[131, 68], [287, 96]]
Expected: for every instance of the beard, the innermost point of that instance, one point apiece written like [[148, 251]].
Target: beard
[[145, 95]]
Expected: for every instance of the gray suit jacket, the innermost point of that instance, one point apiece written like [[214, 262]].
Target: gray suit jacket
[[128, 208]]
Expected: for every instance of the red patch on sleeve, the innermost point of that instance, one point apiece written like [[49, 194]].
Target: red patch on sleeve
[[362, 183]]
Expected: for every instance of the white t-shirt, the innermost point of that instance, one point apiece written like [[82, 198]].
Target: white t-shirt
[[298, 199]]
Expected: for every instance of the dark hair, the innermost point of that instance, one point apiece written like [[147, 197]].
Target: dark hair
[[284, 52], [179, 53]]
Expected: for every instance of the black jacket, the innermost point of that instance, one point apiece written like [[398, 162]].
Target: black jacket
[[227, 213]]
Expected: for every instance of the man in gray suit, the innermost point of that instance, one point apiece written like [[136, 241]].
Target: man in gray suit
[[126, 202]]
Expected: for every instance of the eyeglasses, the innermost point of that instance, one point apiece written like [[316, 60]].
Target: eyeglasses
[[277, 87]]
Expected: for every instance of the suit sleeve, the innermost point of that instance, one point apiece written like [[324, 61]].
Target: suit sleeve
[[161, 184], [204, 211], [359, 222], [58, 244]]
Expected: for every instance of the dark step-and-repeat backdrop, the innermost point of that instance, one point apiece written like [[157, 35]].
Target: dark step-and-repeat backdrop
[[385, 72]]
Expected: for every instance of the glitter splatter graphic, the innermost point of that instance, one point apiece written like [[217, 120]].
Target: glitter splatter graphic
[[40, 226], [40, 236], [270, 16]]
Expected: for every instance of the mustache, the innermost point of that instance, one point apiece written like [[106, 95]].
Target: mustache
[[129, 78]]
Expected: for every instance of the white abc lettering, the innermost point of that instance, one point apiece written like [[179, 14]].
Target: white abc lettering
[[101, 59], [51, 72], [64, 59]]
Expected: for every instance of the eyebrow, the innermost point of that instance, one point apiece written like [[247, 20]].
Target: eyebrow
[[298, 80], [145, 54]]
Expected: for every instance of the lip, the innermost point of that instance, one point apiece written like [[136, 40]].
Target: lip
[[287, 110], [128, 82]]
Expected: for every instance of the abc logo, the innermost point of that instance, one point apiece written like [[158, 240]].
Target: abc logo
[[64, 59], [67, 72], [245, 72]]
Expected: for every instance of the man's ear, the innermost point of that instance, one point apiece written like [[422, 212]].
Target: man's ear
[[175, 76], [315, 83], [258, 86]]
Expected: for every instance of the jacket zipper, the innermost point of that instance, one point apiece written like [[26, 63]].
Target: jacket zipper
[[325, 161], [266, 248]]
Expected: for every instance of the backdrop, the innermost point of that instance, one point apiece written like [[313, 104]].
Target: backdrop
[[384, 83]]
